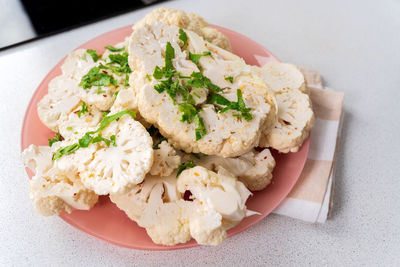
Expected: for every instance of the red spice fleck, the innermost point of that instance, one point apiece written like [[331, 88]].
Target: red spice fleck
[[74, 194], [104, 71], [104, 95], [265, 157]]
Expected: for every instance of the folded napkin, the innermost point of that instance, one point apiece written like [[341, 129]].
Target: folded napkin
[[311, 198]]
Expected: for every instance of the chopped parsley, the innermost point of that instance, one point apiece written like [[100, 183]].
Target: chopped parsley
[[170, 81], [196, 57], [148, 78], [229, 79], [198, 80], [65, 151], [88, 138], [99, 91], [114, 49], [118, 63], [96, 77], [184, 166], [69, 128], [93, 54], [126, 83], [183, 37], [229, 105], [57, 138], [83, 110]]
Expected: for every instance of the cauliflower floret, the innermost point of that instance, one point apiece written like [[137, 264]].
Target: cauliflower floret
[[61, 100], [116, 168], [226, 135], [52, 195], [189, 21], [51, 189], [220, 200], [165, 160], [158, 204], [254, 169]]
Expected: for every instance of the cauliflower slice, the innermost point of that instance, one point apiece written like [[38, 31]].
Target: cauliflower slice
[[165, 160], [185, 21], [254, 169], [76, 123], [227, 135], [54, 108], [295, 117], [51, 189], [294, 123], [283, 76], [158, 204], [116, 168]]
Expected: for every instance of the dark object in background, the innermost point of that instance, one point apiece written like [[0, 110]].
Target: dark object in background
[[53, 16], [48, 16]]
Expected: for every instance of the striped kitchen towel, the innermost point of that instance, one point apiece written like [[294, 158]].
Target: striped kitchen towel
[[311, 198]]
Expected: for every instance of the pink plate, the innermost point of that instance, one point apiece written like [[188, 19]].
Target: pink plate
[[105, 220]]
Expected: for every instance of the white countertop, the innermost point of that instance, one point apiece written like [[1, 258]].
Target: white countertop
[[356, 47]]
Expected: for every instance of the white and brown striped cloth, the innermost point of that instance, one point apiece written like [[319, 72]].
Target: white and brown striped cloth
[[311, 198]]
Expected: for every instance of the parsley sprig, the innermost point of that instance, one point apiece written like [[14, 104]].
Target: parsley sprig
[[88, 138]]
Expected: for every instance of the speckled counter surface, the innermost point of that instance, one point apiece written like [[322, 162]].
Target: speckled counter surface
[[356, 47]]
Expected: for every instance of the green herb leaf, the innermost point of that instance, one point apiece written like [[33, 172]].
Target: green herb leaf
[[239, 106], [85, 140], [198, 80], [148, 78], [184, 166], [196, 57], [126, 80], [118, 63], [114, 49], [69, 128], [100, 138], [57, 138], [200, 129], [183, 37], [229, 79], [188, 112], [112, 138], [93, 54], [99, 91], [169, 55], [65, 151], [96, 78], [156, 145], [83, 110]]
